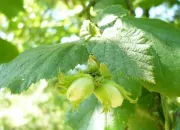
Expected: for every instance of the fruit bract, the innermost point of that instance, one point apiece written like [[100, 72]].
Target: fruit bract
[[80, 89], [109, 95], [103, 96], [92, 64]]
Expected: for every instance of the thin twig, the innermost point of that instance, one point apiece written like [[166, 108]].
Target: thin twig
[[129, 6]]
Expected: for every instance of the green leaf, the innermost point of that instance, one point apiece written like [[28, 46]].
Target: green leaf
[[7, 51], [11, 7], [130, 85], [110, 14], [141, 122], [147, 113], [118, 117], [126, 52], [42, 62], [102, 4], [176, 125], [87, 116], [166, 51], [146, 4]]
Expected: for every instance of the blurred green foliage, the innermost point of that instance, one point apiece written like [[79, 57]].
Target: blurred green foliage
[[31, 23], [39, 108], [11, 7], [7, 51]]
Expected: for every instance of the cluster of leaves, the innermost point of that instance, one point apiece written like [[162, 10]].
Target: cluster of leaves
[[139, 53]]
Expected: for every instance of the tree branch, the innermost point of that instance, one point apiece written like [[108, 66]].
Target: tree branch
[[129, 6]]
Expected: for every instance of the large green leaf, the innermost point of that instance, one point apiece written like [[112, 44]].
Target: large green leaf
[[148, 114], [118, 117], [7, 51], [11, 7], [89, 116], [125, 52], [42, 62], [166, 51]]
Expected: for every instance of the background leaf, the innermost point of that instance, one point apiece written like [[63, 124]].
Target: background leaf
[[101, 4], [42, 62], [166, 47], [148, 113], [87, 117], [11, 7], [147, 3], [7, 51], [110, 14], [176, 125], [118, 117]]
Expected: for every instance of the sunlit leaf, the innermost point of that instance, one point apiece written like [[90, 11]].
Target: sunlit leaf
[[124, 52], [42, 62], [166, 52]]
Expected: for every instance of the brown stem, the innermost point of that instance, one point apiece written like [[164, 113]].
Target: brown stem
[[129, 6]]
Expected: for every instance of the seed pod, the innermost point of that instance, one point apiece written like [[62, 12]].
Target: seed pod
[[116, 96], [103, 96], [80, 89], [109, 95], [92, 64]]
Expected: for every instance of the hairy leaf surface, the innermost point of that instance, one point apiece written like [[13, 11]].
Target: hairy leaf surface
[[125, 52], [166, 52], [42, 62]]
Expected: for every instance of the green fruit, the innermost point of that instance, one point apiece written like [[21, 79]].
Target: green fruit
[[92, 64], [109, 95], [116, 96], [103, 96], [80, 89]]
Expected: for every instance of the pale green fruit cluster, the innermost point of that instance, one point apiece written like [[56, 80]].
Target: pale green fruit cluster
[[107, 93], [96, 79]]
